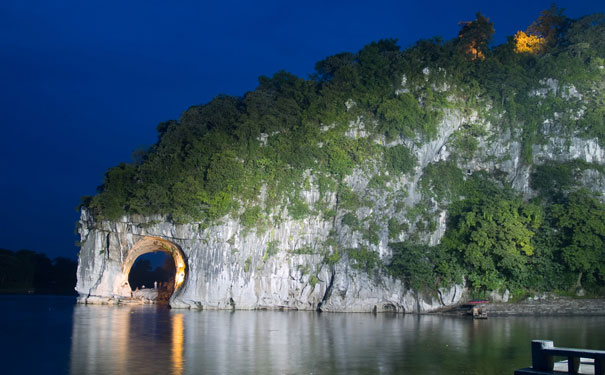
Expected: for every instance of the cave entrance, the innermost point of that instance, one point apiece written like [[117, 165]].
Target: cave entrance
[[155, 269]]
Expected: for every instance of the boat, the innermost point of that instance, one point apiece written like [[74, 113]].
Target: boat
[[478, 309]]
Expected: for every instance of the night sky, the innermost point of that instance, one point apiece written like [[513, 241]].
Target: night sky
[[85, 83]]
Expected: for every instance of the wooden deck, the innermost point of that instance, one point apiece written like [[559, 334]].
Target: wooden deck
[[579, 361], [586, 367]]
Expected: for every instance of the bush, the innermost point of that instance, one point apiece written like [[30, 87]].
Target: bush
[[351, 221], [271, 250], [373, 233], [395, 228], [442, 180], [298, 209], [422, 266], [399, 160], [363, 259], [251, 217]]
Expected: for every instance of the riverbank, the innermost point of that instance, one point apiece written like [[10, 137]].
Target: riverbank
[[550, 306], [545, 306]]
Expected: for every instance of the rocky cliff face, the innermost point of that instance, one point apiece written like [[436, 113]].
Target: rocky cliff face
[[292, 263], [229, 269]]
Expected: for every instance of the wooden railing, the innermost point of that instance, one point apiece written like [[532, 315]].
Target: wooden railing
[[543, 353]]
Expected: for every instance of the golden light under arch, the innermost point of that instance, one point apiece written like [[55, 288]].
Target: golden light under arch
[[151, 244]]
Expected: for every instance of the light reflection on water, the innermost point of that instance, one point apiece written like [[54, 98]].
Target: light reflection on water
[[157, 340], [178, 338]]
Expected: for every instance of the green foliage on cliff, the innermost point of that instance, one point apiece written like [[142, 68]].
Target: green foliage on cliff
[[580, 218], [495, 240], [442, 180], [492, 230], [364, 259], [552, 178], [424, 267], [220, 154], [350, 220], [399, 159], [251, 217], [252, 156]]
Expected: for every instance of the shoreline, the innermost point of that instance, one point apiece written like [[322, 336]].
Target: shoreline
[[547, 307], [551, 306], [559, 306]]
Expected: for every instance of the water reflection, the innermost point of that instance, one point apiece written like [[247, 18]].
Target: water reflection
[[151, 339], [178, 338], [126, 339]]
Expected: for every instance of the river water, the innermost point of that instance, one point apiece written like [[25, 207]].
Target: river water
[[49, 334]]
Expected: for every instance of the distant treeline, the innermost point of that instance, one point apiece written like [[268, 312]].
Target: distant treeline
[[26, 271]]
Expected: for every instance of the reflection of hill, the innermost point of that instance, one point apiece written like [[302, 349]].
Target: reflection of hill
[[152, 340], [125, 340]]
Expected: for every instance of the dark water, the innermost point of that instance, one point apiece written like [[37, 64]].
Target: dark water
[[48, 335]]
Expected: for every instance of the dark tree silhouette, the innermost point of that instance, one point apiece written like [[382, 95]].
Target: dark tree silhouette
[[25, 271], [474, 37]]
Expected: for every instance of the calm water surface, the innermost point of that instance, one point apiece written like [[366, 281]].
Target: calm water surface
[[48, 335]]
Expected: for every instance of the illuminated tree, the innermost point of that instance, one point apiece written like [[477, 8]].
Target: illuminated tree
[[525, 43], [542, 33], [474, 37]]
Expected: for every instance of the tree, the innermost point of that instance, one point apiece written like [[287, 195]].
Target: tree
[[422, 266], [64, 275], [326, 68], [114, 193], [580, 221], [548, 25], [28, 271], [474, 37], [11, 274], [542, 33], [587, 36], [492, 235], [532, 44]]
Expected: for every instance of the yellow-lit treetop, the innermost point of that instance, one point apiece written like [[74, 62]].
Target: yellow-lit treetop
[[542, 33], [528, 43]]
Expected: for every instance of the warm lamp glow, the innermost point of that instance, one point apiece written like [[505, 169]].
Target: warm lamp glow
[[180, 273], [180, 277]]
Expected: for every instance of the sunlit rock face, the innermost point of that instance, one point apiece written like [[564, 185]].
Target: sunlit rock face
[[290, 264]]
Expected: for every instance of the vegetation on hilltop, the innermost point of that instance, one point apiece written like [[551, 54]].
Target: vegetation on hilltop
[[252, 156]]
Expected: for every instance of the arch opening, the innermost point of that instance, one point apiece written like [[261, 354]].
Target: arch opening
[[156, 271], [160, 283]]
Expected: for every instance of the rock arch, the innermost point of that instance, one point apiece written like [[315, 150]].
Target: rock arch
[[105, 264], [151, 244]]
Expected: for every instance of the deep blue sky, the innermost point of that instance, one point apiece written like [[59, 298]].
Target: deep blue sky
[[84, 83]]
